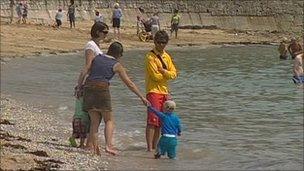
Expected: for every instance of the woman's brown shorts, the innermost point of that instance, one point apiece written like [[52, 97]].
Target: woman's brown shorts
[[96, 96]]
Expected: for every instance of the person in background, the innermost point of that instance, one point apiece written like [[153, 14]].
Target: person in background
[[11, 5], [59, 17], [159, 70], [97, 98], [139, 24], [175, 22], [19, 12], [298, 77], [171, 128], [155, 25], [116, 20], [283, 49], [24, 12], [71, 13], [293, 47], [98, 17]]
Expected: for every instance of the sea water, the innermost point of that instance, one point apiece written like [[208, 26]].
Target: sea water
[[238, 105]]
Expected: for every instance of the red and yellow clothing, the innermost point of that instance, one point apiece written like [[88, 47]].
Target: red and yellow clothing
[[157, 82]]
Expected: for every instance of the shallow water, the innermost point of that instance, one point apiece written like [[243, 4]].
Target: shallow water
[[238, 105]]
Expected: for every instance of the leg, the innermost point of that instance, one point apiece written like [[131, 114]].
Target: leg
[[92, 142], [81, 145], [118, 33], [156, 137], [114, 32], [172, 144], [150, 130], [72, 141], [108, 132]]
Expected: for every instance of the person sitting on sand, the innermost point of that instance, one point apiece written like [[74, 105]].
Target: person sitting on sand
[[97, 98], [81, 123], [294, 46], [171, 127], [283, 49], [298, 77]]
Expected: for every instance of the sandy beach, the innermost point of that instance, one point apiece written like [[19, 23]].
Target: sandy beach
[[25, 142], [21, 40]]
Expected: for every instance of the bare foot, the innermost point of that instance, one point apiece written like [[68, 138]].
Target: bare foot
[[97, 150], [111, 151], [89, 148], [81, 146]]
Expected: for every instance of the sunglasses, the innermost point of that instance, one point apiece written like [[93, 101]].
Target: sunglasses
[[105, 31], [161, 42]]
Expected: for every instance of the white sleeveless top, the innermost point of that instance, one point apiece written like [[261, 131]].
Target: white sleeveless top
[[92, 46]]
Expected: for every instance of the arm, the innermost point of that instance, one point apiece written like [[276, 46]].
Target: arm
[[89, 54], [179, 130], [289, 49], [118, 68], [296, 65], [152, 68], [171, 72], [159, 114]]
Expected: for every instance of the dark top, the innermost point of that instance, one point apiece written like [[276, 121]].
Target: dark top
[[102, 68]]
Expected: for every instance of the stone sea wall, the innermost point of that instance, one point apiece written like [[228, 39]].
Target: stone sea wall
[[266, 15]]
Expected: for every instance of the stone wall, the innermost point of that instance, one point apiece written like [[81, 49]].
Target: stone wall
[[271, 15]]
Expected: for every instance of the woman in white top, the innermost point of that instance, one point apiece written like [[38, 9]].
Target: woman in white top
[[98, 32]]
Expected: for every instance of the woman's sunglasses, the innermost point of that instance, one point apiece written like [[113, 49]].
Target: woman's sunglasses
[[105, 31]]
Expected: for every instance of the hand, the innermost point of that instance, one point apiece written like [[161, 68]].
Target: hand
[[78, 91], [161, 70], [146, 102]]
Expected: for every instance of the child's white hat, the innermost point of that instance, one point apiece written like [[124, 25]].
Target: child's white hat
[[116, 4], [169, 104]]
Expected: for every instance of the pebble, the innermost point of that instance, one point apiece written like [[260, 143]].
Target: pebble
[[48, 135]]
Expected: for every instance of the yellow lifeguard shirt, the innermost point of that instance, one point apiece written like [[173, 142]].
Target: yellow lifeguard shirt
[[154, 80]]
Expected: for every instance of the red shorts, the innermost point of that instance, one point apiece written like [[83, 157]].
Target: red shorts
[[157, 101]]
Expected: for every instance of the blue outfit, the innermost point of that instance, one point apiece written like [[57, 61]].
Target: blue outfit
[[102, 68], [298, 80], [170, 128]]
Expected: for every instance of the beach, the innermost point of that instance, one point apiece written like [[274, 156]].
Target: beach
[[25, 141], [22, 40]]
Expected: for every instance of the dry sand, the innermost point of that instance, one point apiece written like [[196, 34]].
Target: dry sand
[[21, 40]]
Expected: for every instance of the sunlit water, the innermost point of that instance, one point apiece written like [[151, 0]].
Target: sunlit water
[[238, 105]]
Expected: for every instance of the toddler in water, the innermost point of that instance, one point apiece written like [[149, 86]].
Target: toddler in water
[[170, 129], [81, 124]]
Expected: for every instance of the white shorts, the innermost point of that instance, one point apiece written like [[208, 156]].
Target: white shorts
[[154, 29]]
